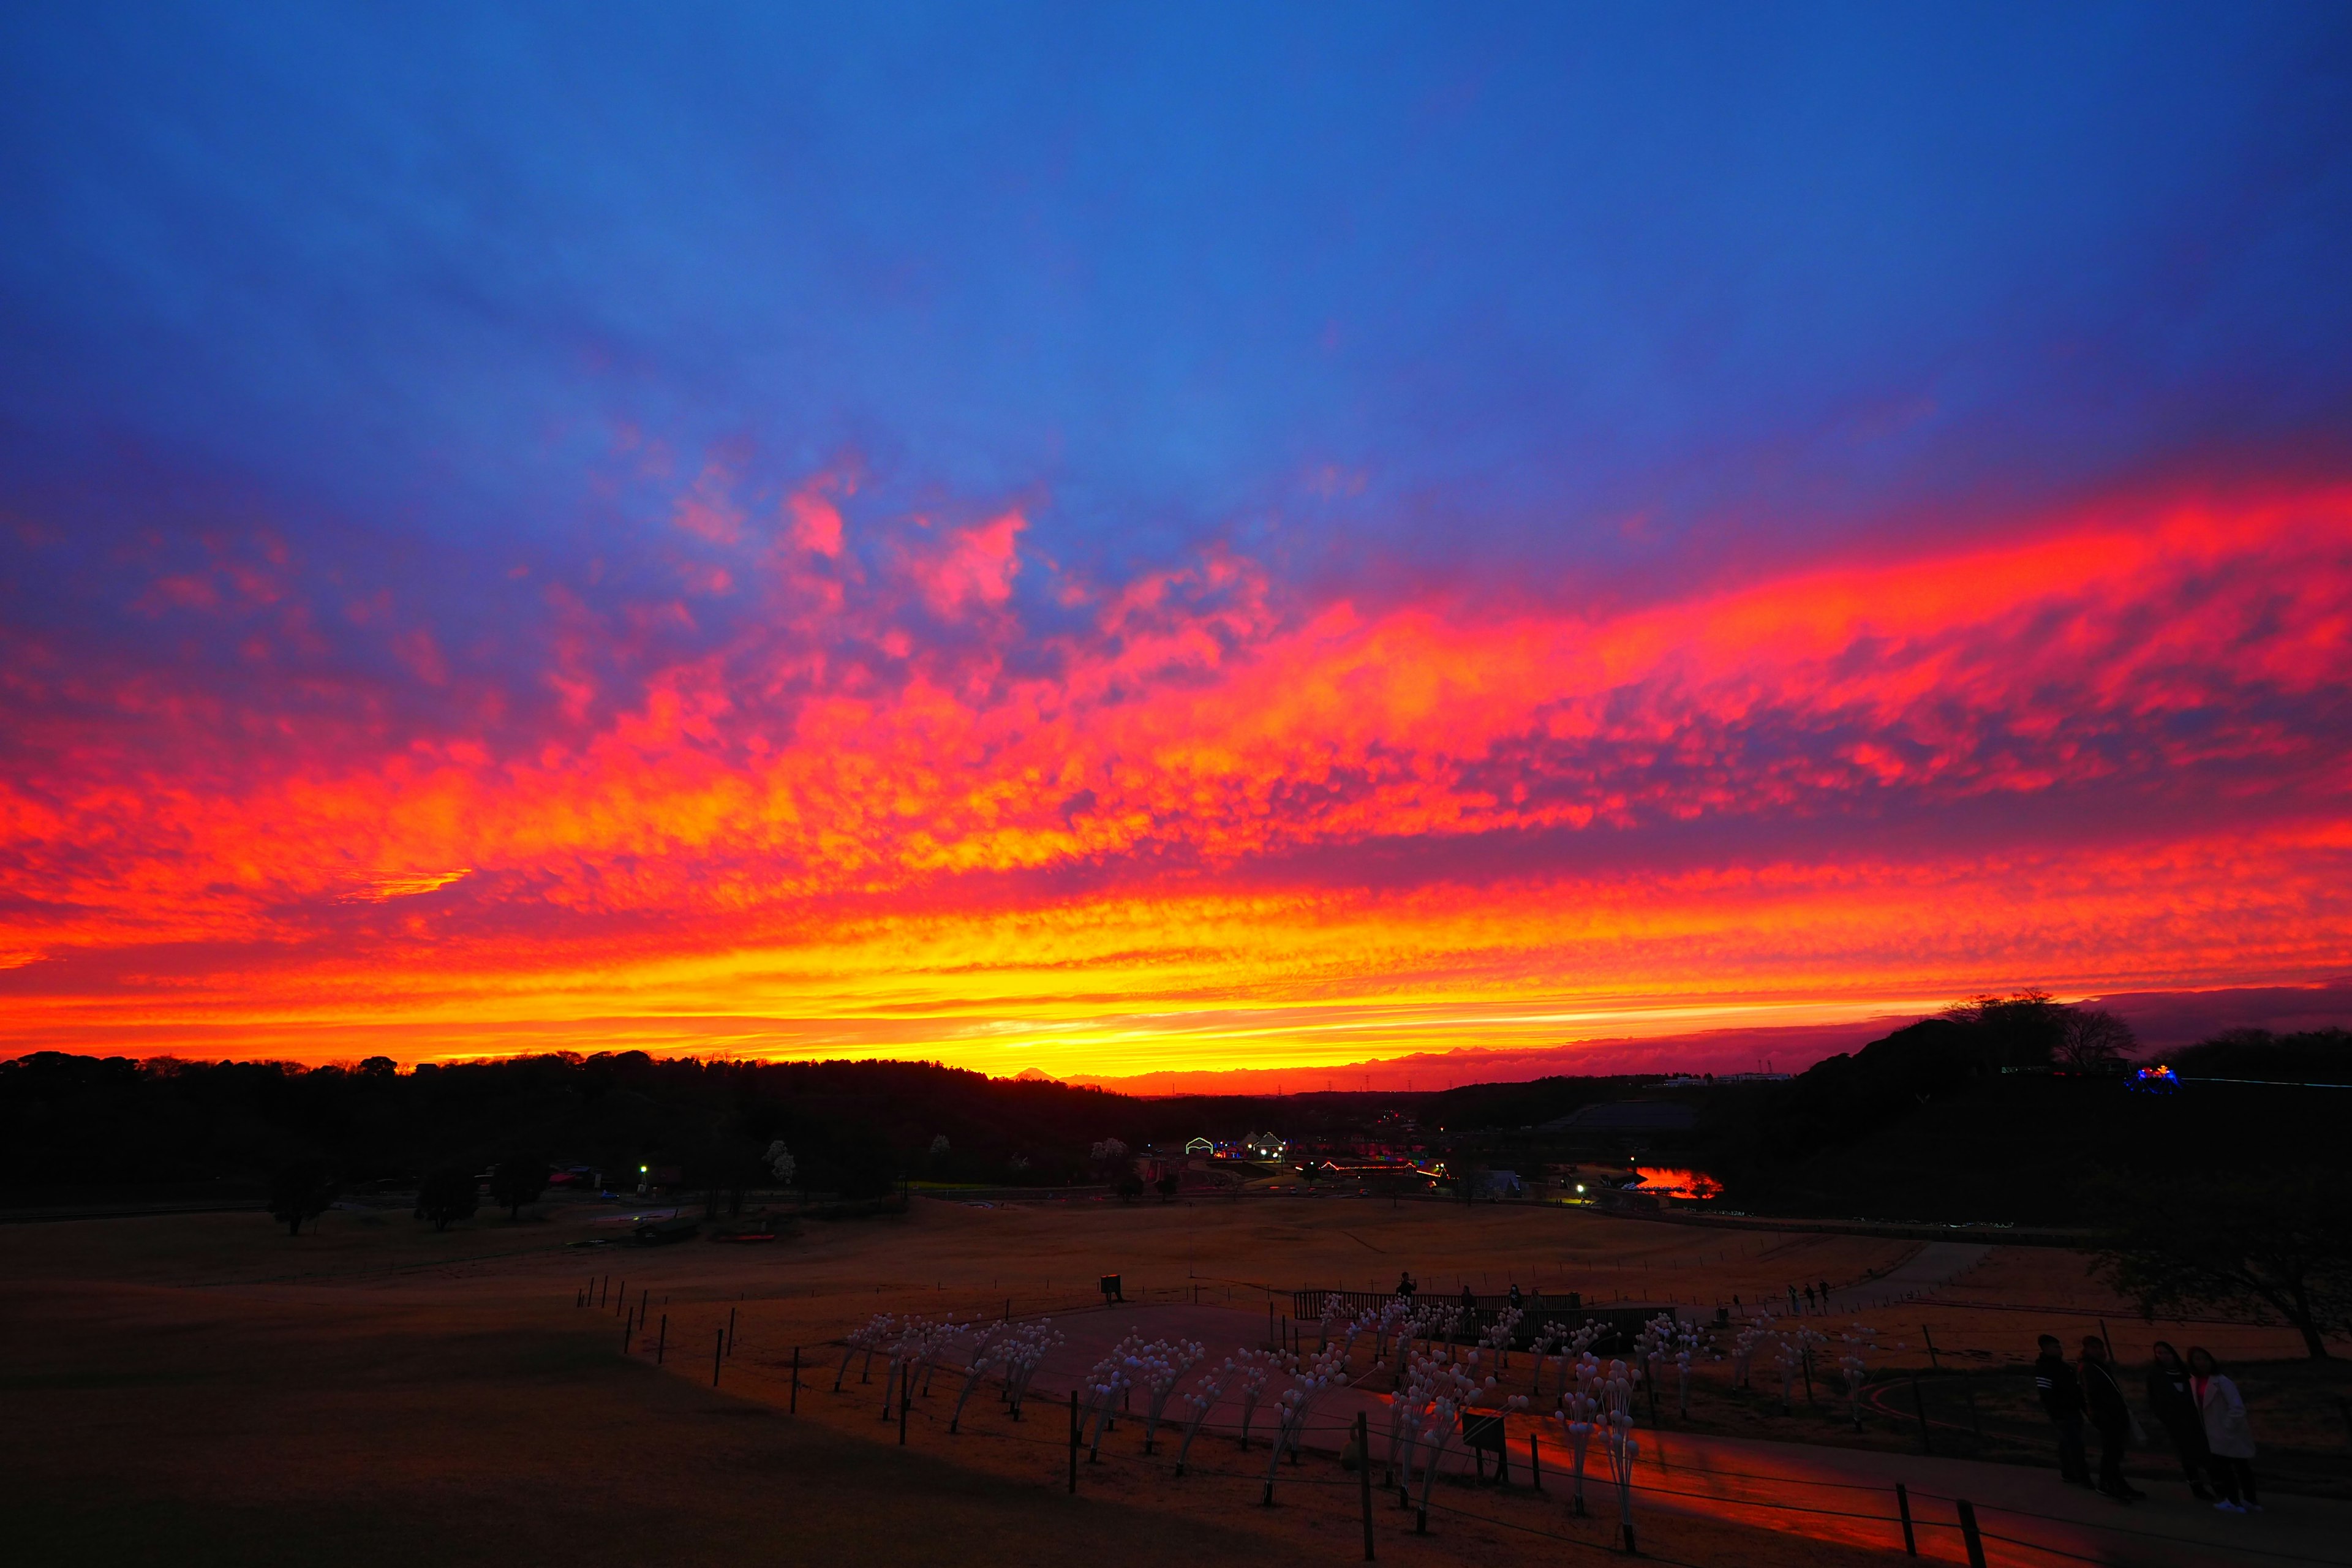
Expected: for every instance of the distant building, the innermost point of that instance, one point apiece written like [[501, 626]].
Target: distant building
[[1263, 1145]]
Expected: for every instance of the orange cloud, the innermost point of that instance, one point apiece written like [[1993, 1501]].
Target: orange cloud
[[1199, 826]]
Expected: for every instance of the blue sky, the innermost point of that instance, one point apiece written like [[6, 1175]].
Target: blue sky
[[1575, 283]]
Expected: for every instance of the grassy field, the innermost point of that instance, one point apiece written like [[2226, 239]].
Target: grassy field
[[206, 1389]]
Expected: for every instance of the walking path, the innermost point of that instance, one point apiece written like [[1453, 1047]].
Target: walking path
[[2030, 1519], [1935, 1263]]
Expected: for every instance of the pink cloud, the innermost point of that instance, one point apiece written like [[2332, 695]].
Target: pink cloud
[[976, 567], [708, 509], [814, 522]]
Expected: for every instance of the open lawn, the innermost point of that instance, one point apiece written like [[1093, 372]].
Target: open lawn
[[205, 1388]]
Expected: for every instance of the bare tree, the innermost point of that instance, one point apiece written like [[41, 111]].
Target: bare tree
[[2254, 1244], [300, 1190], [2091, 1039], [517, 1180], [446, 1194]]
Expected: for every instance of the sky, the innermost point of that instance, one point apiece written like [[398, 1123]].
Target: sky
[[1119, 540]]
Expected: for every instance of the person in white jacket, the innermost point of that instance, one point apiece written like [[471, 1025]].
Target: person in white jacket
[[2227, 1434]]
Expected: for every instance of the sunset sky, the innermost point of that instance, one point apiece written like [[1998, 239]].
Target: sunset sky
[[1124, 539]]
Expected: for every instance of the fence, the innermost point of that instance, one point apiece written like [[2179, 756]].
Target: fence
[[1551, 1506]]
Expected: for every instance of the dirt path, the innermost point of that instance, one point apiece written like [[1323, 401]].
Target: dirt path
[[1935, 1263]]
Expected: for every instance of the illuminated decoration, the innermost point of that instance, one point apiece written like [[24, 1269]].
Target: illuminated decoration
[[2157, 1080], [1675, 1182]]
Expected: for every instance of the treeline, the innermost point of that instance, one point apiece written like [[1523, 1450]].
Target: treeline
[[851, 1127], [1961, 1116], [70, 1124], [1972, 1116]]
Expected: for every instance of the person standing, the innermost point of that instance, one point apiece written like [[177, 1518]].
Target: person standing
[[2062, 1399], [2228, 1436], [2174, 1405], [2111, 1414]]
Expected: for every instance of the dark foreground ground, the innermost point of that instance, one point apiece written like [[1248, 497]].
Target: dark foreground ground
[[174, 1395]]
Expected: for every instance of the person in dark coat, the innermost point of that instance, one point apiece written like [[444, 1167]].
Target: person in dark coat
[[2062, 1398], [1405, 1287], [2174, 1405], [1469, 1329], [2110, 1411]]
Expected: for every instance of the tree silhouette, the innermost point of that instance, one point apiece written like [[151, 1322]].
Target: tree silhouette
[[2247, 1245], [446, 1194], [300, 1190], [2020, 1030], [517, 1180], [1167, 1186], [2091, 1039]]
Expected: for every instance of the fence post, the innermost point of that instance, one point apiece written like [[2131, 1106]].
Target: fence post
[[731, 1331], [1902, 1506], [628, 1332], [1074, 1442], [1535, 1459], [1919, 1405], [1364, 1476], [718, 1349], [1968, 1534], [661, 1345]]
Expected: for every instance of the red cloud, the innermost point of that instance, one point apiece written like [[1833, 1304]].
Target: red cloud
[[2110, 753]]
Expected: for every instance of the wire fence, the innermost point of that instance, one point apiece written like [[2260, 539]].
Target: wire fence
[[1894, 1524]]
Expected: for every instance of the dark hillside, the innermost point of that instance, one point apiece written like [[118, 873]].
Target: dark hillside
[[1925, 1124]]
